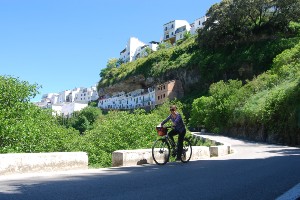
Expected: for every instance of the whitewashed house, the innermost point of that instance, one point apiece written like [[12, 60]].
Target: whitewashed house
[[68, 101], [142, 51], [72, 95], [136, 99], [67, 108], [198, 24], [127, 54], [179, 33], [86, 95], [51, 98], [171, 27], [62, 96], [136, 49]]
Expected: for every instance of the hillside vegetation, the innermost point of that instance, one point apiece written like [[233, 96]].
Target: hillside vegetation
[[237, 34], [266, 108]]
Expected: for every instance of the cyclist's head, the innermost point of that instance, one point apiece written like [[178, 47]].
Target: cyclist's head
[[173, 108]]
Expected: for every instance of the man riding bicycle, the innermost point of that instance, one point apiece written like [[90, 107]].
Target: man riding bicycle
[[179, 128]]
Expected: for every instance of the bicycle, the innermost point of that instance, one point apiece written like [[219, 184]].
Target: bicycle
[[162, 147]]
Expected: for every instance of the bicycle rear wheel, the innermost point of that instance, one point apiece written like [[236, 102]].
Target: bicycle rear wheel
[[161, 151], [186, 151]]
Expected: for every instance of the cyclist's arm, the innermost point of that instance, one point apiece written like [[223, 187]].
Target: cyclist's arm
[[166, 120]]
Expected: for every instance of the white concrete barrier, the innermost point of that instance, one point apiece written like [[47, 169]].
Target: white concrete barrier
[[132, 157], [218, 150], [200, 152], [144, 156], [38, 162]]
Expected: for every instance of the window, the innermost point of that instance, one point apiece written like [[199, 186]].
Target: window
[[158, 97], [164, 95]]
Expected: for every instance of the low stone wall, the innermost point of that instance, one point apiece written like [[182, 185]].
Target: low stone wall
[[132, 157], [144, 156], [13, 163], [218, 149]]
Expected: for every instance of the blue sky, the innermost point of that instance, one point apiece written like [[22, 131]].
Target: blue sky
[[63, 44]]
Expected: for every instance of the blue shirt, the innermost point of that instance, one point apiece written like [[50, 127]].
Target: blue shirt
[[179, 125]]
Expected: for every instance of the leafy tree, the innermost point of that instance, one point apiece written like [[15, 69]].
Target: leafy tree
[[148, 51], [90, 113], [81, 123], [111, 63], [81, 120], [214, 111], [23, 126], [233, 21]]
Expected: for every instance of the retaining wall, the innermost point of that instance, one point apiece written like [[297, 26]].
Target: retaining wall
[[13, 163]]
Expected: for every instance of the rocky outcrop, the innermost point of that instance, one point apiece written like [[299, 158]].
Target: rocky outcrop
[[189, 78]]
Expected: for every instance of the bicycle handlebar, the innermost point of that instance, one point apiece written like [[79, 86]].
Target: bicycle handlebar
[[167, 126]]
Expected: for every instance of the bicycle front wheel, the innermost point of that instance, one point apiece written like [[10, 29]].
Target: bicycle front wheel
[[161, 151], [186, 151]]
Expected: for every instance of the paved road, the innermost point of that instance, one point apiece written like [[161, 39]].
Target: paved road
[[253, 171]]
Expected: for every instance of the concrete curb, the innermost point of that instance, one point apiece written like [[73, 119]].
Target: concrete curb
[[144, 156], [14, 163], [218, 148]]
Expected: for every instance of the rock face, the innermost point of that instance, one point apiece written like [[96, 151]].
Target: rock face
[[188, 79]]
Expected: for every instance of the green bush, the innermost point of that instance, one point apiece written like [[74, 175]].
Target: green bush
[[25, 127]]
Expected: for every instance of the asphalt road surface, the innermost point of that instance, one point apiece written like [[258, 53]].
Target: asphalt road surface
[[253, 171]]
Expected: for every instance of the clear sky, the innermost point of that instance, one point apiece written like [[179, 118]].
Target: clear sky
[[63, 44]]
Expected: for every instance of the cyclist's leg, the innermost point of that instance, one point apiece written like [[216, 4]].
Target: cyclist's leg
[[180, 144], [171, 134]]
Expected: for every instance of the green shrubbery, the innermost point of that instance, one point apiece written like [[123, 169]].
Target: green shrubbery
[[270, 101], [23, 126]]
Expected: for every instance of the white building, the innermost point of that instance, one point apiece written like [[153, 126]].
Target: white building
[[86, 95], [68, 101], [66, 109], [179, 33], [198, 24], [51, 98], [72, 95], [142, 51], [131, 100], [130, 50], [171, 27], [136, 49]]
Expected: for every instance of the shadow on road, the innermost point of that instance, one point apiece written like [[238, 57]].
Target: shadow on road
[[203, 179]]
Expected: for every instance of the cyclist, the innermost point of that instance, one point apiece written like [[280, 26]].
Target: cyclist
[[179, 128]]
